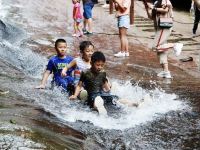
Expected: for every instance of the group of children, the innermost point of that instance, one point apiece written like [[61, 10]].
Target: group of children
[[84, 77], [85, 73]]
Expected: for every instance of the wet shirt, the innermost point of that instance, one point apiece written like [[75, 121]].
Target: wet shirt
[[56, 65], [77, 7], [93, 82]]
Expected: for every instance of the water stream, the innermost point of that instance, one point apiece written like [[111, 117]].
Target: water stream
[[164, 121]]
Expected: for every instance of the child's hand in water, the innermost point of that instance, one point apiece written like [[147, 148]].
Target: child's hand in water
[[73, 97], [41, 86]]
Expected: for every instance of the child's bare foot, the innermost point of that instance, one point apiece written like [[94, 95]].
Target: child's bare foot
[[99, 104]]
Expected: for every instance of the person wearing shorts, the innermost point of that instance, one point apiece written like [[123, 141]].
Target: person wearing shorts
[[123, 9], [87, 14]]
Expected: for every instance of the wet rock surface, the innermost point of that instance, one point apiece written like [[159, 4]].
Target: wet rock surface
[[25, 124]]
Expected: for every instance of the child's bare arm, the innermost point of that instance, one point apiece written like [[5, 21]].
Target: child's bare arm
[[77, 91], [107, 86], [44, 80], [64, 70], [75, 13]]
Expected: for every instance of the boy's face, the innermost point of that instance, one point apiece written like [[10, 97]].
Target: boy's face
[[61, 48], [98, 66], [87, 53]]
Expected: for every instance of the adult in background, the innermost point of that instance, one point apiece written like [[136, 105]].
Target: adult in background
[[123, 9], [163, 9], [196, 16], [87, 14]]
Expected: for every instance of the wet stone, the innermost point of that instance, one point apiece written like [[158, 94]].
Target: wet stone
[[12, 142]]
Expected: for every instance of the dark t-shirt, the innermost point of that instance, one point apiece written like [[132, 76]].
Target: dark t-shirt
[[93, 82], [90, 1]]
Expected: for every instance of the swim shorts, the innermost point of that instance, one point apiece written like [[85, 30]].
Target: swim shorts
[[107, 97]]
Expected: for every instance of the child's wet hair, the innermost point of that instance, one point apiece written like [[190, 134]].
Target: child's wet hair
[[84, 45], [59, 41], [98, 56]]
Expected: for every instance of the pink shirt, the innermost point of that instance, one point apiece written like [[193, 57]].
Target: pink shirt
[[127, 5], [78, 14]]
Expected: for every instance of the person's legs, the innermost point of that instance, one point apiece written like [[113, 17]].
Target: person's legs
[[121, 39], [75, 29], [162, 48], [85, 18], [88, 17], [165, 73], [89, 21], [84, 25], [123, 25], [196, 20], [63, 82], [127, 102], [79, 28], [124, 39]]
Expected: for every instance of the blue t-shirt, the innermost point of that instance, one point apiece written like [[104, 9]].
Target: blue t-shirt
[[56, 65]]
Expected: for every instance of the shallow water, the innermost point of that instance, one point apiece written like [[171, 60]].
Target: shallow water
[[169, 119]]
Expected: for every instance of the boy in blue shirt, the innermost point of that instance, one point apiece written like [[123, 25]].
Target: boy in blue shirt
[[55, 66]]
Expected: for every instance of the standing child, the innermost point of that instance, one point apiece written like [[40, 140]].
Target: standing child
[[123, 8], [55, 66], [81, 63], [77, 18], [95, 81]]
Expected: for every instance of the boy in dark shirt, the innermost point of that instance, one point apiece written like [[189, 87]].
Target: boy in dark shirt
[[55, 66], [95, 82]]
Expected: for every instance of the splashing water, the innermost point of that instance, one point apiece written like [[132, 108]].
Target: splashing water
[[159, 103]]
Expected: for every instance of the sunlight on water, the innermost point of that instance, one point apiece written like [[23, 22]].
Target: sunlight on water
[[157, 104]]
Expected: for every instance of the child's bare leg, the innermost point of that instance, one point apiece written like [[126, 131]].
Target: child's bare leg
[[75, 28], [128, 103], [79, 28], [124, 39]]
